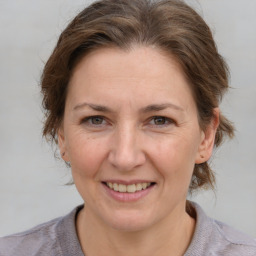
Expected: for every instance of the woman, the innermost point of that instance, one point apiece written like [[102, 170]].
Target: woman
[[131, 94]]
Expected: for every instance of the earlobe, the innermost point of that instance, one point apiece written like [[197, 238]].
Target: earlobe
[[207, 139], [62, 145]]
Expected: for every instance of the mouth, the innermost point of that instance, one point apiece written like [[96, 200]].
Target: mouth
[[131, 188]]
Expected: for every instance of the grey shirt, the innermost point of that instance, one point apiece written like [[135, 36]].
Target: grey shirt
[[58, 238]]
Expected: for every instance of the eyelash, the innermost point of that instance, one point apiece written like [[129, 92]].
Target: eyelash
[[89, 120], [167, 121]]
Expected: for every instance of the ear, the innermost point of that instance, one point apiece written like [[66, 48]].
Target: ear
[[207, 139], [62, 144]]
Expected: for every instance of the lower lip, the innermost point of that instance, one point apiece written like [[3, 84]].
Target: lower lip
[[128, 197]]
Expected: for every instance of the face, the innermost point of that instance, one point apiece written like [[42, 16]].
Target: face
[[131, 134]]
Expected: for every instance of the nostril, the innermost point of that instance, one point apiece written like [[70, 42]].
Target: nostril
[[125, 160]]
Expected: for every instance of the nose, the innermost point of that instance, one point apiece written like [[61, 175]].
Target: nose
[[126, 152]]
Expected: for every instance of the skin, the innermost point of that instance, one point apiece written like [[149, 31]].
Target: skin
[[126, 142]]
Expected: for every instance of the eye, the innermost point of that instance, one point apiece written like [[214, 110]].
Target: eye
[[94, 120], [160, 121]]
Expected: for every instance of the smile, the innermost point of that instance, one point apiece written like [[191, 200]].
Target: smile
[[132, 188]]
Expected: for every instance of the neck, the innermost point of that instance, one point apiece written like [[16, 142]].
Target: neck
[[170, 237]]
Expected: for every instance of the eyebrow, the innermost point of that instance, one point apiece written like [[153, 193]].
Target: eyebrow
[[159, 107], [149, 108], [95, 107]]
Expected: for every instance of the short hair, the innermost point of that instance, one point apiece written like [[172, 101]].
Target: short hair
[[170, 25]]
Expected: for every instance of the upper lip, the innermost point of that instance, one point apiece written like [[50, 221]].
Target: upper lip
[[127, 182]]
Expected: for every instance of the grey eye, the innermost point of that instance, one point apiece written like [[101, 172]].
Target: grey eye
[[96, 120]]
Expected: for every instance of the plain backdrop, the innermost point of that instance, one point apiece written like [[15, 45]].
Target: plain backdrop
[[32, 181]]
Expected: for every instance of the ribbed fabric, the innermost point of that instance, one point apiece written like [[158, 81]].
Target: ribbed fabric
[[55, 238], [214, 238], [58, 238]]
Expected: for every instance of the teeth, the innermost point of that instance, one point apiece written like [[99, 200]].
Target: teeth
[[128, 188], [110, 185], [122, 188], [138, 186], [115, 187], [131, 188]]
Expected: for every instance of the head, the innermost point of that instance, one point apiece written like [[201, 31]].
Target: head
[[169, 26]]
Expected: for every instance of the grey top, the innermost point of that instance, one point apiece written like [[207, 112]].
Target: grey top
[[58, 238]]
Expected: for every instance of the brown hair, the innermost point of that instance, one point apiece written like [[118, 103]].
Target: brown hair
[[170, 25]]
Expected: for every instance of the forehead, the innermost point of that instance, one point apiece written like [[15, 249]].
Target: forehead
[[144, 72], [137, 60]]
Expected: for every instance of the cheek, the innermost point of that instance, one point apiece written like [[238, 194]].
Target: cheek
[[86, 155], [175, 156]]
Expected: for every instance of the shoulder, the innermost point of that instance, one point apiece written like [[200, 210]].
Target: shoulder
[[36, 241], [44, 239], [237, 241], [215, 238]]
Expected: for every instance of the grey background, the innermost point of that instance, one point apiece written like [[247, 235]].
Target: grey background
[[32, 182]]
